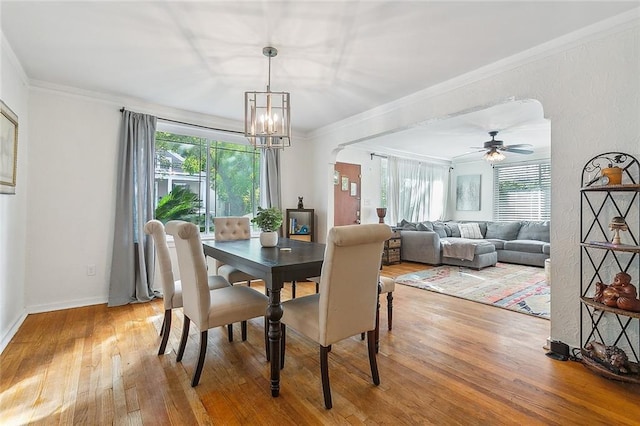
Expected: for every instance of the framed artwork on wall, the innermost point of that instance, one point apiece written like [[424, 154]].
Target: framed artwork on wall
[[468, 193], [8, 149]]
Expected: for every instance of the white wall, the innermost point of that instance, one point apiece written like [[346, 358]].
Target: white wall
[[72, 191], [590, 91], [485, 170], [13, 208]]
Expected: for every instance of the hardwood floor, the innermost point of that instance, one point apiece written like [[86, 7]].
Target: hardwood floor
[[446, 361]]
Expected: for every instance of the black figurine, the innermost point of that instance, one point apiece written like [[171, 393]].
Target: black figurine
[[300, 205]]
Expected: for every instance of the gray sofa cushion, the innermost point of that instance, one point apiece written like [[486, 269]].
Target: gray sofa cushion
[[534, 231], [424, 226], [502, 230], [454, 229], [439, 229], [525, 246], [498, 244], [407, 225], [546, 249]]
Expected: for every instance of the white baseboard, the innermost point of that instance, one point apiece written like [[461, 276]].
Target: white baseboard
[[6, 338], [68, 304]]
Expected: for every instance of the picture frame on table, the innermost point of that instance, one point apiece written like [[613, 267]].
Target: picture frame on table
[[8, 149]]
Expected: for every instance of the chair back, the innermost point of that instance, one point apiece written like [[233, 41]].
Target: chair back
[[193, 271], [155, 228], [230, 228], [349, 281]]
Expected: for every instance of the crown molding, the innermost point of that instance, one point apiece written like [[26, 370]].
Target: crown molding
[[617, 24]]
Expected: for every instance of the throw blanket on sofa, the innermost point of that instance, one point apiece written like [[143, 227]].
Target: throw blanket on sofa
[[459, 249]]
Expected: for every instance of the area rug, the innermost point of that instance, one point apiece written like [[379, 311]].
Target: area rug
[[515, 287]]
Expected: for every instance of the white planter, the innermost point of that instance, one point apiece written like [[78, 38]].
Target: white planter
[[269, 239]]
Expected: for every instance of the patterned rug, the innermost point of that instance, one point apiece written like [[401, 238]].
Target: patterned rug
[[515, 287]]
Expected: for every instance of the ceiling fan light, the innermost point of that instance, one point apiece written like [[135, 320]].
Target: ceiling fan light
[[493, 156]]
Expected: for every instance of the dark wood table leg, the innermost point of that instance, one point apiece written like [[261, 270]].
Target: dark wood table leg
[[274, 314]]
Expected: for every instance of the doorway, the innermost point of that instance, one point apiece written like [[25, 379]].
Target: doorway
[[346, 193]]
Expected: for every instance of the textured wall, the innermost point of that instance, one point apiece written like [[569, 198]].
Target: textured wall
[[590, 92]]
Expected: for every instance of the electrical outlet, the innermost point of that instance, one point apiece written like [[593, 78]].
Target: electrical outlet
[[91, 269]]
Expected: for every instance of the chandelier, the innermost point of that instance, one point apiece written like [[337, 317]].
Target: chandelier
[[493, 156], [267, 114]]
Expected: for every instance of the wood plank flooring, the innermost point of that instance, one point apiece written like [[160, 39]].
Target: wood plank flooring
[[447, 361]]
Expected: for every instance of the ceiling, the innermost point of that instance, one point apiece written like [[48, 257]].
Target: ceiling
[[337, 59]]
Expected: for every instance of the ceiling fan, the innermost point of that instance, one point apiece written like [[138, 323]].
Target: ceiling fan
[[496, 147]]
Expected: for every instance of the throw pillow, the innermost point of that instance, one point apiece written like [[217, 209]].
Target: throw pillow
[[407, 225], [453, 226], [470, 230], [422, 227], [439, 229]]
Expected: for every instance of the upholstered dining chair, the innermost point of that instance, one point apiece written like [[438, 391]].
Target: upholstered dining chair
[[346, 304], [172, 289], [231, 228], [386, 286], [206, 308]]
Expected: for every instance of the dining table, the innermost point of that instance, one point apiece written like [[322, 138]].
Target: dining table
[[290, 260]]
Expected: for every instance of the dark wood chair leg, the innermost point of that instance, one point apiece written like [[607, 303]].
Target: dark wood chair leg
[[166, 330], [317, 288], [390, 309], [230, 332], [293, 289], [283, 344], [372, 357], [266, 338], [377, 329], [203, 352], [243, 327], [324, 372], [361, 336], [183, 339]]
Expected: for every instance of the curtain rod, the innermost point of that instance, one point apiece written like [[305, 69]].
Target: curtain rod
[[195, 125], [373, 154]]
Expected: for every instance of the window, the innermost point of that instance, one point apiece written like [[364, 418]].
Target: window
[[522, 192], [198, 178]]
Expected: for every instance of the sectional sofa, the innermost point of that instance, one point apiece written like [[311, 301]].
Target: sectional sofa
[[475, 246]]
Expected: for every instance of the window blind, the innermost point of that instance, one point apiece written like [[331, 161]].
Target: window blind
[[522, 192]]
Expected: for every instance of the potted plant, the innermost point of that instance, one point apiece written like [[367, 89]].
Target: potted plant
[[269, 221]]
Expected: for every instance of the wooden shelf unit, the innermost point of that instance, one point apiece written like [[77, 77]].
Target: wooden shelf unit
[[300, 224]]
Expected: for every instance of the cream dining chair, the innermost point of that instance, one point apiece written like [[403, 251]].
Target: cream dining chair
[[206, 308], [171, 289], [232, 228], [346, 304]]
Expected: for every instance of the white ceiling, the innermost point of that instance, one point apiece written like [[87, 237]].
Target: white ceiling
[[337, 59]]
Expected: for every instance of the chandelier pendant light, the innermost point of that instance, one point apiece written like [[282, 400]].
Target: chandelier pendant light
[[267, 114]]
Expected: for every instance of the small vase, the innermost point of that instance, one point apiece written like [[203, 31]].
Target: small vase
[[269, 239]]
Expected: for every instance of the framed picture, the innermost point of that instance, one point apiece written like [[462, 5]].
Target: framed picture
[[345, 183], [8, 149], [336, 177], [468, 193]]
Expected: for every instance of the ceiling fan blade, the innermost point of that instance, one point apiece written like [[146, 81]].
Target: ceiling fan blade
[[520, 145], [517, 150]]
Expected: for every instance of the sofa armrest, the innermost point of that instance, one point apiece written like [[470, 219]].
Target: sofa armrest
[[421, 246]]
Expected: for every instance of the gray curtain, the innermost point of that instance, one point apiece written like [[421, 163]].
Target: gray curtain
[[270, 191], [132, 262]]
